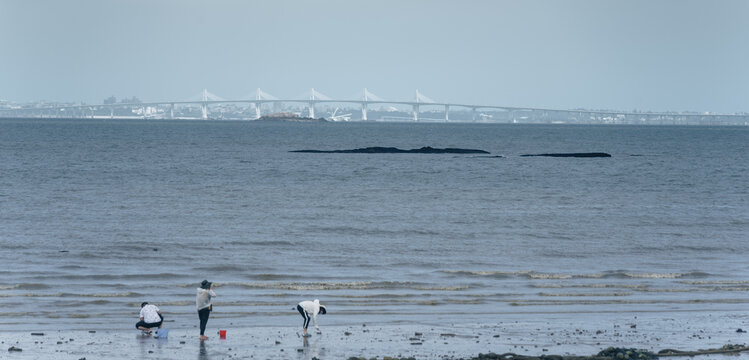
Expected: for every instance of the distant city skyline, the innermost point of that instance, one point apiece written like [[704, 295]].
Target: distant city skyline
[[664, 55]]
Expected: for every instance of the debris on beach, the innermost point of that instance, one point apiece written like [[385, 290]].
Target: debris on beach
[[618, 354], [725, 349], [13, 348], [384, 358]]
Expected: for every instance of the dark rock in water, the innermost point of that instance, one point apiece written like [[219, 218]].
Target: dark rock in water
[[392, 150], [622, 353], [580, 155]]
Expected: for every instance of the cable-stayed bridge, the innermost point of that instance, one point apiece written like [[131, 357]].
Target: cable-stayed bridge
[[365, 100]]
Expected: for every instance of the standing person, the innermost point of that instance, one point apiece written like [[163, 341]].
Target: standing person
[[310, 308], [203, 302], [150, 317]]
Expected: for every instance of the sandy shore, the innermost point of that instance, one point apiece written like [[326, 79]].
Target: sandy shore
[[557, 336]]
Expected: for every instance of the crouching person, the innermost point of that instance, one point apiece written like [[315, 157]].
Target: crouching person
[[310, 309], [150, 317]]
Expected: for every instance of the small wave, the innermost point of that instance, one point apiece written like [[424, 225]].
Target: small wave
[[428, 302], [359, 285], [273, 276], [109, 277], [441, 288], [128, 294], [474, 301], [354, 285], [220, 268], [585, 294], [355, 231], [543, 302], [714, 282], [25, 286], [83, 315], [694, 274], [71, 267], [377, 296], [591, 286], [561, 276], [492, 274], [268, 243], [79, 303], [711, 289]]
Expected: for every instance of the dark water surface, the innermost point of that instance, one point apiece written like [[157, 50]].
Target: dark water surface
[[97, 216]]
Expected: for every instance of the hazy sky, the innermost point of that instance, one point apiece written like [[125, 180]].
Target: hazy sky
[[647, 55]]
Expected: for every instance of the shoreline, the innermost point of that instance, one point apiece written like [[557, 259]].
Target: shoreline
[[525, 339]]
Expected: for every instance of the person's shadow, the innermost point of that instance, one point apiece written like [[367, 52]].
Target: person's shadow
[[203, 352]]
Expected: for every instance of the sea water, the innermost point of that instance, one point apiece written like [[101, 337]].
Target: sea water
[[99, 216]]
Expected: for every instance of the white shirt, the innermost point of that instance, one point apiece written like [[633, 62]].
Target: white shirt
[[150, 314], [203, 299], [311, 308]]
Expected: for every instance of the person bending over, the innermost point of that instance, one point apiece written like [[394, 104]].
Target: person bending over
[[310, 309], [150, 317], [203, 302]]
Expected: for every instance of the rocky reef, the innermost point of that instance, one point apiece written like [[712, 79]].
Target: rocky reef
[[392, 150], [578, 155]]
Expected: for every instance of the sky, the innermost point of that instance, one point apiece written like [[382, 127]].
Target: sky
[[656, 55]]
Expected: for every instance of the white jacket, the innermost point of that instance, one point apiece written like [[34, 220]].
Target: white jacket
[[203, 299], [311, 308]]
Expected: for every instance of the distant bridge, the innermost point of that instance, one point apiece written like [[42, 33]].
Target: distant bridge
[[365, 100]]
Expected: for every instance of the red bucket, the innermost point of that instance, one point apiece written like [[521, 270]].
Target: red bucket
[[222, 334]]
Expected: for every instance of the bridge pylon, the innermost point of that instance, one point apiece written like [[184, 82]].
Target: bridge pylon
[[364, 106], [416, 106], [257, 104], [204, 105], [312, 103]]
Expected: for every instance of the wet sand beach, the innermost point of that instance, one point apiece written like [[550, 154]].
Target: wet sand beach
[[559, 335]]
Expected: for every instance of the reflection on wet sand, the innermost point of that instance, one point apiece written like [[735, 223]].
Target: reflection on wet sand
[[203, 352]]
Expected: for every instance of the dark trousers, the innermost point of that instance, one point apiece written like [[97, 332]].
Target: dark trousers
[[304, 315], [203, 315], [149, 325]]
